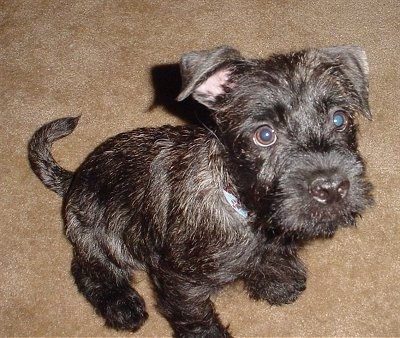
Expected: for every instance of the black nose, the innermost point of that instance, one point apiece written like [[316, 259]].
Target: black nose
[[328, 189]]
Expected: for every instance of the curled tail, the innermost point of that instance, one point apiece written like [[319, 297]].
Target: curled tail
[[42, 161]]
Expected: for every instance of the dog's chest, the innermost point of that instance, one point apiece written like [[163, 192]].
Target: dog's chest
[[212, 235]]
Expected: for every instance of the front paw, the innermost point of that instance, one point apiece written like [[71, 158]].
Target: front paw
[[124, 310], [276, 291]]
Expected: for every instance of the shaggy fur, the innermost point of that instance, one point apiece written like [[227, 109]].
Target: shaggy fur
[[198, 208]]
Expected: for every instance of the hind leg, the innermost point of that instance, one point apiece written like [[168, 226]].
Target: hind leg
[[107, 287]]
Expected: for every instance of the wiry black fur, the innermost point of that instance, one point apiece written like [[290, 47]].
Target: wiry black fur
[[153, 199]]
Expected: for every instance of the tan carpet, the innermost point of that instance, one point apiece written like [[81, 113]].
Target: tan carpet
[[95, 58]]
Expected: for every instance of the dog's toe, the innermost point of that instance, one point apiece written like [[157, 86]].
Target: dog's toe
[[125, 312], [277, 292]]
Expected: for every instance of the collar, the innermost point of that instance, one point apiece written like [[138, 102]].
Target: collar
[[235, 203]]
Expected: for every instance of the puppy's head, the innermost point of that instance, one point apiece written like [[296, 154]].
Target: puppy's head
[[288, 124]]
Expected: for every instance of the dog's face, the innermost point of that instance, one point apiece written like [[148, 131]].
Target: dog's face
[[289, 125]]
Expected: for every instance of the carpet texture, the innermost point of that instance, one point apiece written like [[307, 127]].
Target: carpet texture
[[114, 63]]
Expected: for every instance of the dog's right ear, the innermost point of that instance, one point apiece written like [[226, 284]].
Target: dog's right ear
[[206, 74]]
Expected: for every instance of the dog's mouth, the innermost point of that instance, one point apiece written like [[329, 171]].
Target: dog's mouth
[[312, 219]]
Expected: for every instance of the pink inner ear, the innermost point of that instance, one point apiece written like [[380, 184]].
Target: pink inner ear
[[215, 84]]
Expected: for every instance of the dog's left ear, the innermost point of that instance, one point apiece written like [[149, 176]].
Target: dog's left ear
[[355, 66], [206, 75]]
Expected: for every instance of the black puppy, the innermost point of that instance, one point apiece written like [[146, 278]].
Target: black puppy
[[198, 208]]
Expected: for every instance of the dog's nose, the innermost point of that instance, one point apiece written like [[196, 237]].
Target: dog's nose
[[327, 189]]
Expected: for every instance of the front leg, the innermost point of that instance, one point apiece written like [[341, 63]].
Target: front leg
[[278, 279], [187, 306]]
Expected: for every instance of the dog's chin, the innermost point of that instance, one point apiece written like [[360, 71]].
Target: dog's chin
[[319, 230], [311, 223], [313, 230]]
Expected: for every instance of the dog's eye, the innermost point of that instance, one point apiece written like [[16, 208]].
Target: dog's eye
[[340, 120], [264, 136]]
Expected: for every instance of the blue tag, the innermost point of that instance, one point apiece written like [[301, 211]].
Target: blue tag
[[235, 203]]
